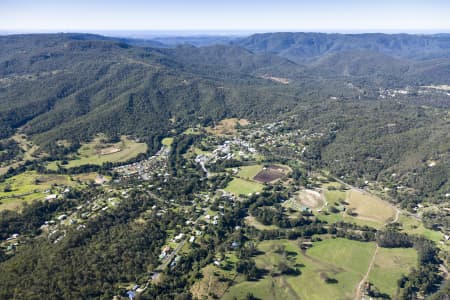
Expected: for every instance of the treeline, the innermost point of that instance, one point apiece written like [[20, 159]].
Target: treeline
[[31, 217], [424, 279], [9, 150], [275, 215]]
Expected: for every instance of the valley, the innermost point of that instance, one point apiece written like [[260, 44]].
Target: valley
[[311, 235], [261, 168]]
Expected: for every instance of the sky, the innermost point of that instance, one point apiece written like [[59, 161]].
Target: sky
[[225, 16]]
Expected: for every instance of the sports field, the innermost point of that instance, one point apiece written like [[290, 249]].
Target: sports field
[[240, 186]]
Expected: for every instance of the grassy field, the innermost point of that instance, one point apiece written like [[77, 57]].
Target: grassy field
[[411, 225], [88, 177], [29, 152], [211, 283], [369, 207], [333, 197], [248, 172], [27, 187], [167, 141], [251, 221], [389, 266], [371, 211], [227, 126], [244, 183], [344, 260], [97, 153], [240, 186], [192, 131], [333, 218]]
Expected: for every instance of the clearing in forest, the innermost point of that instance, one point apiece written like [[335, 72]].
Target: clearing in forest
[[331, 269], [240, 186], [28, 186], [227, 126], [368, 207], [389, 266], [306, 199], [98, 152]]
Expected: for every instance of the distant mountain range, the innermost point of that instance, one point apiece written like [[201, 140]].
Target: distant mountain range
[[306, 47], [88, 79]]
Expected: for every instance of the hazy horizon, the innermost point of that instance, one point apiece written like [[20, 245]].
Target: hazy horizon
[[148, 34], [200, 16]]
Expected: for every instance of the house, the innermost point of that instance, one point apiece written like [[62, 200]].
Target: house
[[191, 239], [51, 197], [235, 244], [131, 295], [13, 237], [62, 217], [179, 237]]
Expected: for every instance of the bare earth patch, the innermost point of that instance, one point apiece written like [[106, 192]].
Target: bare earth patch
[[227, 126], [270, 174], [306, 199], [311, 199], [277, 79], [109, 150]]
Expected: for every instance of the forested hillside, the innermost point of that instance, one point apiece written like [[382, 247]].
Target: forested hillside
[[73, 86], [130, 169]]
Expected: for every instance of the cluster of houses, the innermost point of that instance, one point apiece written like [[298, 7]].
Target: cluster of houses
[[90, 208], [392, 93], [226, 151], [145, 169]]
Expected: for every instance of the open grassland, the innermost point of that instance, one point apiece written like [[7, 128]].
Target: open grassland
[[167, 141], [251, 221], [193, 131], [30, 185], [98, 152], [340, 259], [227, 126], [248, 172], [29, 152], [370, 210], [211, 286], [88, 177], [240, 186], [411, 225], [389, 266], [369, 207], [337, 217], [334, 197], [27, 187]]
